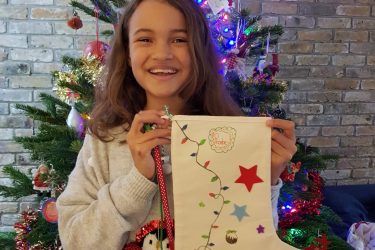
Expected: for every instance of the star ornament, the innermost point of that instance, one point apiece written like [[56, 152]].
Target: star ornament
[[249, 177]]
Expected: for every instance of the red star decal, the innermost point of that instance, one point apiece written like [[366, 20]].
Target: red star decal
[[249, 177]]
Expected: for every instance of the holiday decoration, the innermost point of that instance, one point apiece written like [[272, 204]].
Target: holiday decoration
[[75, 22], [22, 228], [49, 210], [163, 191], [41, 180], [239, 39], [97, 49], [153, 235], [221, 184], [290, 171], [76, 121]]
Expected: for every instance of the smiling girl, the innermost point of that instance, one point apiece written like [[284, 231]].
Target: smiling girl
[[162, 54]]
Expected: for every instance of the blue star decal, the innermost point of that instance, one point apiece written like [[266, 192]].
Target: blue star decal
[[239, 212]]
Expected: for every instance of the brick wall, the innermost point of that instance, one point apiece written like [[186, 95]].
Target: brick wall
[[327, 54], [33, 38]]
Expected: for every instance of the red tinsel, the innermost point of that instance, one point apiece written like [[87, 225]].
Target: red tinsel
[[305, 207], [23, 227], [230, 3]]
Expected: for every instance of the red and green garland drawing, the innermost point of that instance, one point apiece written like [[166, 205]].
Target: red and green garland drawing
[[222, 140]]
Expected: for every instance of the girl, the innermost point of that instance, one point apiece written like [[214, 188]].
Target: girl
[[162, 55]]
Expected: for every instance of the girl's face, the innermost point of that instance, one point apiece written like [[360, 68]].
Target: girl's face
[[159, 51]]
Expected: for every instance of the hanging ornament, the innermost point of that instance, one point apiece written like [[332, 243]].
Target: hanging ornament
[[75, 22], [268, 43], [274, 67], [76, 121], [261, 63], [97, 49], [41, 179], [49, 210], [231, 60], [150, 236], [290, 172]]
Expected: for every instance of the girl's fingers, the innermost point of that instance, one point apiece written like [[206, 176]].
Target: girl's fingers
[[285, 154], [148, 116], [149, 145], [284, 141], [287, 126], [156, 133]]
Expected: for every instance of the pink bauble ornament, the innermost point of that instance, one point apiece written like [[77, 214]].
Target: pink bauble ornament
[[96, 48]]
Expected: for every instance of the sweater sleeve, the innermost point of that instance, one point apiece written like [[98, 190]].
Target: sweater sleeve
[[275, 192], [95, 214]]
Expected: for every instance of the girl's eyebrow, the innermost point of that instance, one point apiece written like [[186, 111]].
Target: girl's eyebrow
[[151, 31]]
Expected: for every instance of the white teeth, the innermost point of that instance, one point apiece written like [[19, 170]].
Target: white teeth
[[163, 71]]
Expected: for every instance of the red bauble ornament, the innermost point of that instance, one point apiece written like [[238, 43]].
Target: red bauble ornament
[[75, 22], [96, 48]]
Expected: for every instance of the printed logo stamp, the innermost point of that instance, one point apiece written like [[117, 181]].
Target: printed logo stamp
[[222, 139]]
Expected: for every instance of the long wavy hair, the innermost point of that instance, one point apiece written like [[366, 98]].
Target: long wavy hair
[[119, 97]]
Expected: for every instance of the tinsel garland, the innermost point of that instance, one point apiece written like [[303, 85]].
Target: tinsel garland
[[304, 207]]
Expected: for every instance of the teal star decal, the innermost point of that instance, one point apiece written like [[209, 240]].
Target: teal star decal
[[239, 212]]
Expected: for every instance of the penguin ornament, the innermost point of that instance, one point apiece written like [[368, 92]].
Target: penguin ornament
[[152, 236], [153, 242]]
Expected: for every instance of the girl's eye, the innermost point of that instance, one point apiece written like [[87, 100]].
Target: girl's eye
[[144, 40], [180, 40]]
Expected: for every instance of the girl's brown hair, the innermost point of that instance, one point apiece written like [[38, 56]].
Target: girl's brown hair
[[119, 97]]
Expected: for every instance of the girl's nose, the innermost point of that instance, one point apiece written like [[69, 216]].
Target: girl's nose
[[162, 51]]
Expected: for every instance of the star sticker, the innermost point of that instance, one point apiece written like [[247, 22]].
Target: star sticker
[[249, 177], [260, 229], [239, 212]]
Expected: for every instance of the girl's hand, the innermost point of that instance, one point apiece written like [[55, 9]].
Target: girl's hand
[[283, 146], [141, 143]]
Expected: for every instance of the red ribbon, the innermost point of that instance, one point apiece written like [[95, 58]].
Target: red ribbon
[[163, 195]]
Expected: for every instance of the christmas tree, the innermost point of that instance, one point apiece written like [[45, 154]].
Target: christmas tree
[[244, 48]]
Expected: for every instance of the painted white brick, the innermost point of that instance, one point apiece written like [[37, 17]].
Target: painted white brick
[[30, 27], [30, 81], [15, 41], [48, 41], [38, 55]]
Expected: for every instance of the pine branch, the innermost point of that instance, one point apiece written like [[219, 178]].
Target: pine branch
[[46, 98], [119, 3], [91, 12], [39, 114], [107, 33], [7, 241], [22, 184], [72, 62], [105, 9], [330, 216], [42, 231], [336, 243]]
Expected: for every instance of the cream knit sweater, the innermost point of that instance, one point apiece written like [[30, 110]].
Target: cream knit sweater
[[107, 199]]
